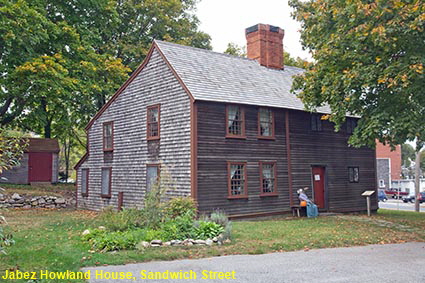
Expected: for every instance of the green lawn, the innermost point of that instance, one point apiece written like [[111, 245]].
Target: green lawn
[[38, 190], [50, 239]]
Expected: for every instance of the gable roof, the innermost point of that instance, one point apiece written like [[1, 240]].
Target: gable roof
[[42, 145], [212, 76]]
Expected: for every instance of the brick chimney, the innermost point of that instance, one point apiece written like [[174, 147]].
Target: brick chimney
[[265, 44]]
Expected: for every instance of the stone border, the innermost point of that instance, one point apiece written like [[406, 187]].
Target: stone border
[[17, 201]]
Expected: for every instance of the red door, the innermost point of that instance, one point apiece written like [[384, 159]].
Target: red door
[[40, 167], [319, 185]]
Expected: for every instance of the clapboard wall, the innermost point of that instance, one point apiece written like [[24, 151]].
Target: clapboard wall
[[326, 147], [155, 84]]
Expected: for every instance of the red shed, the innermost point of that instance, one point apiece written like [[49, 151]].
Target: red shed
[[40, 163]]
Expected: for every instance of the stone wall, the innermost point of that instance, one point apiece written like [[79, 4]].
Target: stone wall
[[17, 201]]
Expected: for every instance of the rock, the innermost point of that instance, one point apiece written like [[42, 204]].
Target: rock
[[155, 245], [27, 206], [215, 239], [144, 244], [189, 244], [167, 244], [200, 242], [22, 200], [227, 241], [209, 242], [103, 228], [50, 206], [1, 197], [16, 196], [42, 201], [34, 203], [156, 242], [176, 242], [60, 201], [18, 205], [85, 232]]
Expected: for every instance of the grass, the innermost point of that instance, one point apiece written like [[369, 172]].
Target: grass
[[38, 190], [50, 239]]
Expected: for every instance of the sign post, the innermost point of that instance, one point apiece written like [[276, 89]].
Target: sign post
[[367, 194]]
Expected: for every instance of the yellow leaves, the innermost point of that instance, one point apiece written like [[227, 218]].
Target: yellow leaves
[[379, 30], [404, 78], [378, 59], [325, 117], [382, 80], [418, 68], [347, 99]]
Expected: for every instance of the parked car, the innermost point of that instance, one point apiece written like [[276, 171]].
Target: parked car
[[412, 198], [382, 196], [396, 193]]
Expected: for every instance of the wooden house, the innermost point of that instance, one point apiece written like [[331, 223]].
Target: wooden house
[[39, 164], [229, 132]]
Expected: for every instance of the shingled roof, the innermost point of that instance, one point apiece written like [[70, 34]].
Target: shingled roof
[[42, 145], [212, 76]]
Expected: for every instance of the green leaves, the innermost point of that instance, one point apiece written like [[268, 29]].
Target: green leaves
[[367, 63]]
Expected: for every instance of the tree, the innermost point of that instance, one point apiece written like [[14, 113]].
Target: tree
[[407, 154], [236, 50], [367, 63], [296, 62]]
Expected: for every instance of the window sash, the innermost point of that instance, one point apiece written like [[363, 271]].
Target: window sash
[[266, 123], [108, 134], [84, 182], [268, 177], [353, 174], [153, 122], [237, 179], [235, 121], [106, 180], [152, 176], [316, 123]]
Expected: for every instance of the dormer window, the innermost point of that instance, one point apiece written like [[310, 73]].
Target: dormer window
[[108, 136], [153, 122], [235, 122], [265, 123]]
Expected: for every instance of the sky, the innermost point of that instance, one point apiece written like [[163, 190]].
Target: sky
[[226, 20]]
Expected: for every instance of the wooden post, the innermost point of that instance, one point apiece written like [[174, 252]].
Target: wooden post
[[368, 205], [120, 200]]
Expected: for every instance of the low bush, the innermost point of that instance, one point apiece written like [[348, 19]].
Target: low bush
[[180, 206], [122, 220], [220, 217], [119, 240], [205, 230]]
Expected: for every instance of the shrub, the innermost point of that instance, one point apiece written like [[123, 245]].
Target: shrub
[[220, 217], [179, 228], [119, 240], [179, 206], [205, 230], [122, 220]]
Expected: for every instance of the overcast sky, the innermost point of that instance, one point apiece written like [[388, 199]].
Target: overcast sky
[[225, 21]]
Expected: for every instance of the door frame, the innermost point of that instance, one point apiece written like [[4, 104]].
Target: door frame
[[325, 184]]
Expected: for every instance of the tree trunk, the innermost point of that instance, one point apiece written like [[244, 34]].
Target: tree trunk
[[417, 178]]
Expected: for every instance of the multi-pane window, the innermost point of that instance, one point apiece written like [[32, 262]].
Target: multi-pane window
[[265, 123], [351, 125], [268, 178], [353, 174], [152, 175], [237, 179], [153, 118], [316, 122], [235, 121], [85, 182], [108, 136], [106, 182]]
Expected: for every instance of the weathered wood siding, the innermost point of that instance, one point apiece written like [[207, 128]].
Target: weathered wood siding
[[214, 150], [308, 148], [331, 150], [155, 84], [18, 174]]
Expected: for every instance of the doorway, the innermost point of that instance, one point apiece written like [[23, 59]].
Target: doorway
[[319, 185]]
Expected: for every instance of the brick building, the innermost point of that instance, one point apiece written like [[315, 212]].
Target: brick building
[[388, 164]]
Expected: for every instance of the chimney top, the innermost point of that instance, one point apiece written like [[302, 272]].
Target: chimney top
[[264, 44]]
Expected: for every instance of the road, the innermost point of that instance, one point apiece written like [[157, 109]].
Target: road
[[375, 263], [400, 205]]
